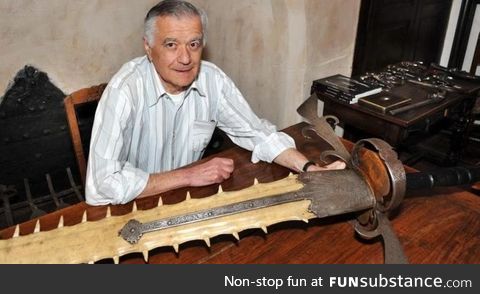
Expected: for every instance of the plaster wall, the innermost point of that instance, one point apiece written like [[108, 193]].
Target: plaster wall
[[272, 49]]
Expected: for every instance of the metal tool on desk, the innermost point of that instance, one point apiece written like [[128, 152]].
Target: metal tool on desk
[[432, 99], [456, 73]]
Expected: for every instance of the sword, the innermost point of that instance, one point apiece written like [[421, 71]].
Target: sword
[[373, 186]]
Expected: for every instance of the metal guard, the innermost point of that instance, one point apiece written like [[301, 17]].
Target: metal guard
[[394, 168]]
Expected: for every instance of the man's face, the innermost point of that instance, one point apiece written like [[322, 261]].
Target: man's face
[[177, 51]]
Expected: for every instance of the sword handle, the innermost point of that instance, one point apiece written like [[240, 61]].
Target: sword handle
[[454, 176]]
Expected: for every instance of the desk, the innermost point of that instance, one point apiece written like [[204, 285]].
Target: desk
[[441, 229], [397, 129]]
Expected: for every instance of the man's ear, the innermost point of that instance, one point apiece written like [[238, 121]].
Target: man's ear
[[148, 49]]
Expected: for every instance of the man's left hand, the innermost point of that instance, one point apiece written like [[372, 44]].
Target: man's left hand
[[332, 166]]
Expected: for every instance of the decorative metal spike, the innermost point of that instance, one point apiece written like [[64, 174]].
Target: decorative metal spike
[[220, 190], [91, 262], [255, 181], [84, 216], [264, 228], [290, 174], [109, 212], [37, 227], [116, 259], [207, 241], [60, 222], [134, 206], [235, 234], [145, 255], [160, 201], [175, 247], [16, 233], [305, 220], [188, 197]]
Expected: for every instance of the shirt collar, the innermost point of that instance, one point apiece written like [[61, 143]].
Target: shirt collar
[[159, 90]]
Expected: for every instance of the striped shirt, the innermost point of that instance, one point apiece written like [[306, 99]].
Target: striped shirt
[[139, 130]]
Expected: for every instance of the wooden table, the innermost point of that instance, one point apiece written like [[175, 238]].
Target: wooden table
[[454, 113], [440, 229]]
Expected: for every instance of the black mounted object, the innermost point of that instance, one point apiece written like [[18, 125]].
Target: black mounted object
[[34, 138]]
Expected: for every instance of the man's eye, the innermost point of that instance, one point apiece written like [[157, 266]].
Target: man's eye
[[170, 45], [195, 45]]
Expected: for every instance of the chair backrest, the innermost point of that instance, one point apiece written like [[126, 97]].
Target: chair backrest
[[72, 101], [476, 57]]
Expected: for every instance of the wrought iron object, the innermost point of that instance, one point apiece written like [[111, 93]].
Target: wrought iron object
[[57, 200], [8, 209], [36, 212], [321, 126], [455, 72], [434, 98], [433, 77], [7, 192], [437, 84]]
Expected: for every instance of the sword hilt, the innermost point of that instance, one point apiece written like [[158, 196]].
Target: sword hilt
[[385, 174], [453, 176]]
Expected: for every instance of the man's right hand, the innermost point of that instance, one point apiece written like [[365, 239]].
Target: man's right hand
[[213, 171]]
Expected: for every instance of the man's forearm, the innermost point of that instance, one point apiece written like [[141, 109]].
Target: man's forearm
[[213, 171], [162, 182], [292, 159]]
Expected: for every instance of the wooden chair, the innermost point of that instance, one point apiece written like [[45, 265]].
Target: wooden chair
[[77, 98], [475, 129], [476, 57]]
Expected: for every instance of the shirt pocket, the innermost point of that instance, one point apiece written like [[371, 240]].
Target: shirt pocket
[[201, 134]]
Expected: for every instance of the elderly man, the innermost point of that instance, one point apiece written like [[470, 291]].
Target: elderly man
[[159, 111]]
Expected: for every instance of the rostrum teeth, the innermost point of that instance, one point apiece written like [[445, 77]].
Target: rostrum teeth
[[16, 233], [37, 227], [87, 236], [60, 222], [145, 255], [235, 234]]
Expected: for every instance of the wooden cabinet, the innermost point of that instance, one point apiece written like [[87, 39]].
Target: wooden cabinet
[[390, 31]]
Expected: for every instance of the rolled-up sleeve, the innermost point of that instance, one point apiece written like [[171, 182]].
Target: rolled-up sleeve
[[111, 179], [242, 125]]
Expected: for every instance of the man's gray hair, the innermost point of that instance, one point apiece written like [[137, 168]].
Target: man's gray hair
[[176, 8]]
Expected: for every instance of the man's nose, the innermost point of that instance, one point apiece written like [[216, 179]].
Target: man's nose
[[184, 55]]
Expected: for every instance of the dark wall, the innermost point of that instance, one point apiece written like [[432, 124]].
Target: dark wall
[[390, 31]]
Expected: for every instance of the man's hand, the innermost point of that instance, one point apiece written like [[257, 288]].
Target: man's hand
[[295, 160], [332, 166], [213, 171]]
